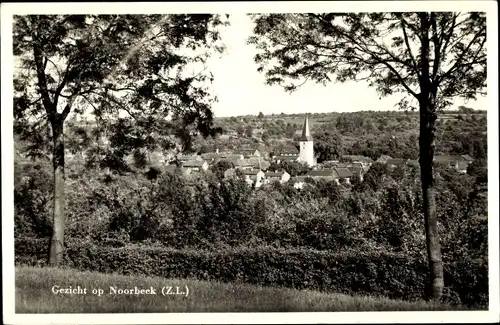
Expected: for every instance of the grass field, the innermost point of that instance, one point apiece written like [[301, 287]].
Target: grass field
[[34, 295]]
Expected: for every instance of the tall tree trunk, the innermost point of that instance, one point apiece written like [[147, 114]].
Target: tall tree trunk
[[57, 241], [428, 116], [427, 134]]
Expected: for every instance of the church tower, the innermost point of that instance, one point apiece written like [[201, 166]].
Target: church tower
[[306, 145]]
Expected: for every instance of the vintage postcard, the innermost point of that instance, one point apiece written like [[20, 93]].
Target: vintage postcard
[[250, 162]]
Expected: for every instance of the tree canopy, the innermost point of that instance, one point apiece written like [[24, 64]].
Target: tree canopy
[[131, 72], [430, 57], [127, 71], [381, 48]]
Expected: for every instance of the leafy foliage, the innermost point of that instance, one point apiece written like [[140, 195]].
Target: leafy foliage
[[348, 46], [351, 272], [107, 64]]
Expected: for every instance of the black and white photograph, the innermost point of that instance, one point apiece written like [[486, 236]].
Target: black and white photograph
[[225, 162]]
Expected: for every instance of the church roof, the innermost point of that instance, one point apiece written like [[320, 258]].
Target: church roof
[[306, 134]]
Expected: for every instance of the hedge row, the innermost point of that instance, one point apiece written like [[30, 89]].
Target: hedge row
[[375, 273]]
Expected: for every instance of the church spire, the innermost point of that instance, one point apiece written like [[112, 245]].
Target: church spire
[[306, 134]]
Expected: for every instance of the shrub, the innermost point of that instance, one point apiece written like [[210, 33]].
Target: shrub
[[33, 191], [376, 273], [228, 212]]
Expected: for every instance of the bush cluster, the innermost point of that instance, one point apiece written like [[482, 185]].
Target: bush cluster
[[393, 275], [173, 212]]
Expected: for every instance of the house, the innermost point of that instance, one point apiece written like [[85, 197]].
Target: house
[[413, 162], [342, 165], [195, 165], [467, 158], [280, 159], [243, 164], [395, 162], [326, 174], [383, 159], [299, 182], [262, 165], [211, 156], [224, 155], [281, 177], [460, 163], [357, 170], [330, 162], [254, 177], [289, 151], [344, 175], [462, 166], [183, 158], [234, 156], [365, 161], [253, 160], [447, 160], [247, 152]]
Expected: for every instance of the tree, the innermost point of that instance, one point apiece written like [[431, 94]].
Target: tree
[[125, 66], [265, 136], [431, 57], [479, 169], [240, 130], [327, 146], [249, 131], [220, 167], [294, 168], [261, 115]]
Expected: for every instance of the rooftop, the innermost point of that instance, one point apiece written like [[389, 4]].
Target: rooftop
[[275, 174], [194, 163], [322, 173], [396, 161], [343, 172], [252, 172], [298, 179]]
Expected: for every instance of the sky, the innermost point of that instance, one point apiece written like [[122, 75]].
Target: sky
[[241, 90]]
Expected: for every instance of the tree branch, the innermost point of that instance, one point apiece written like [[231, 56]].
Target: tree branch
[[458, 61], [375, 56], [42, 80], [61, 86], [414, 94], [414, 62], [437, 54]]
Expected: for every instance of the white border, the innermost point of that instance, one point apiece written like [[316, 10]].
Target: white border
[[7, 10]]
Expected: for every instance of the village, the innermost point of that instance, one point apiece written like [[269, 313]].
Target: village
[[255, 166]]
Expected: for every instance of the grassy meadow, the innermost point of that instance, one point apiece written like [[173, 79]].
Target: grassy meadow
[[34, 295]]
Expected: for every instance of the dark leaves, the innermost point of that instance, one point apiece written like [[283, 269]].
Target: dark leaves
[[114, 63], [370, 46]]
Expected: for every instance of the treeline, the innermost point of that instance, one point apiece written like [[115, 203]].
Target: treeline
[[211, 211], [371, 134]]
